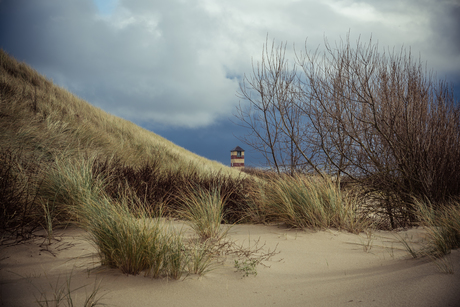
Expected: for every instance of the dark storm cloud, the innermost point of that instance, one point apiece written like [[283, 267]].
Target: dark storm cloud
[[144, 66], [446, 28], [174, 65]]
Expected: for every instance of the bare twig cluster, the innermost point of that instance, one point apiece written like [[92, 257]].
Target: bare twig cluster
[[379, 119]]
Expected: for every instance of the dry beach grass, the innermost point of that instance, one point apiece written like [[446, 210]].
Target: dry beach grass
[[93, 206]]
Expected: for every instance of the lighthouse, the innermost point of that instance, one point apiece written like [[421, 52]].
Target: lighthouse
[[237, 157]]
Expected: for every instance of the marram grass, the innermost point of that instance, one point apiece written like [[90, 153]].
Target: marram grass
[[204, 209], [47, 119], [132, 243], [311, 202], [126, 238], [42, 120], [442, 227]]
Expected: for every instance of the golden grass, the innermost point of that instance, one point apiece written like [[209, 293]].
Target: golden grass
[[311, 202], [204, 210], [125, 234], [442, 227], [57, 136], [40, 116]]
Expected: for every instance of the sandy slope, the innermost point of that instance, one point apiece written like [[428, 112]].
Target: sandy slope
[[326, 268]]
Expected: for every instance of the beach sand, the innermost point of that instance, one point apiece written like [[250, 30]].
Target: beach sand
[[324, 268]]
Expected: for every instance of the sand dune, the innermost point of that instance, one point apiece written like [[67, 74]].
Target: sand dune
[[325, 268]]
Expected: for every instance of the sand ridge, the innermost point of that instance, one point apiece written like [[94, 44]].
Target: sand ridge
[[324, 268]]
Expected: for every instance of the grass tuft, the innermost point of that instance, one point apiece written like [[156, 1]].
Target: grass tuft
[[311, 202], [125, 233], [204, 210], [442, 227], [64, 295], [200, 258]]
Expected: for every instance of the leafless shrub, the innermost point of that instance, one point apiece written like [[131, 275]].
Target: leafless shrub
[[377, 118]]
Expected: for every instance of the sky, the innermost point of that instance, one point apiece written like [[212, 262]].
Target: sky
[[174, 66]]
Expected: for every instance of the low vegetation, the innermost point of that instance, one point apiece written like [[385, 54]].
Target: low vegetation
[[377, 117], [311, 202], [442, 227], [126, 235], [204, 210], [63, 294], [64, 161], [157, 186]]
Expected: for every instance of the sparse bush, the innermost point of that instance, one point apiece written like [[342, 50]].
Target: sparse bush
[[375, 116]]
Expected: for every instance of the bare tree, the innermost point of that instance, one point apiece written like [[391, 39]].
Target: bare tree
[[271, 113], [377, 118]]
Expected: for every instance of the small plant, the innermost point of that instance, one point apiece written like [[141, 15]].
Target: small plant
[[407, 246], [49, 215], [199, 258], [247, 267], [205, 211], [63, 294], [444, 264], [248, 257], [368, 242]]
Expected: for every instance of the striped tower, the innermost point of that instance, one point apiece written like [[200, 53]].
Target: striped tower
[[237, 157]]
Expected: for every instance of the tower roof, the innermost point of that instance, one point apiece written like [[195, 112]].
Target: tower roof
[[237, 148]]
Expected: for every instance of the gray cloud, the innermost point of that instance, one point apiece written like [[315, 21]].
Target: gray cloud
[[177, 63], [445, 23]]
